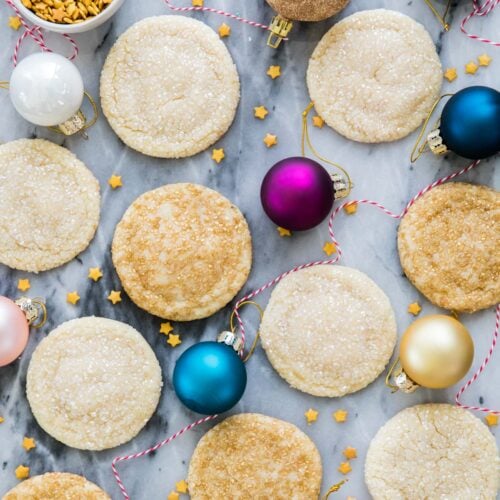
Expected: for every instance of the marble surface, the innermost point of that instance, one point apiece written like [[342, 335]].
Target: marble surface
[[380, 172]]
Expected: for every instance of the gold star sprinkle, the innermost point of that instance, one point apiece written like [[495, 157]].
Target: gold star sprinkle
[[491, 420], [224, 30], [218, 155], [450, 74], [284, 232], [345, 468], [115, 181], [260, 112], [166, 328], [2, 420], [350, 453], [351, 209], [174, 340], [414, 308], [23, 285], [115, 297], [274, 71], [484, 60], [197, 3], [311, 416], [14, 22], [329, 248], [270, 140], [28, 443], [340, 416], [181, 486], [22, 472], [72, 297], [471, 68], [318, 121], [95, 273], [173, 495], [58, 14]]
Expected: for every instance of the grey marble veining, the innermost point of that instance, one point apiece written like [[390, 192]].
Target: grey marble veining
[[380, 172]]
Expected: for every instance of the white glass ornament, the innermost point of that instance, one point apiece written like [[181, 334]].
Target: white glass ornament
[[46, 89]]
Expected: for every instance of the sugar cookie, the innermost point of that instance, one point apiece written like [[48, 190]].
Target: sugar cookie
[[49, 205], [169, 87], [56, 486], [307, 10], [433, 451], [375, 76], [254, 456], [182, 251], [328, 330], [93, 383], [448, 246]]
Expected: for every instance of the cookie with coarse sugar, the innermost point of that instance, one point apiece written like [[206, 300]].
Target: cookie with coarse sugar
[[93, 383], [307, 10], [433, 451], [328, 330], [255, 456], [56, 486], [182, 251], [448, 246], [169, 87], [49, 205], [375, 76]]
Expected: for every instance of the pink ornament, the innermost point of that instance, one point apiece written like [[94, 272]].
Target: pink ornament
[[14, 331], [297, 193]]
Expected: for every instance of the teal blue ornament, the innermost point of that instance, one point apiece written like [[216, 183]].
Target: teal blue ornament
[[470, 124], [210, 377]]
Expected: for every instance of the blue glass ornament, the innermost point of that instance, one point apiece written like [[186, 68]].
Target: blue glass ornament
[[210, 378], [470, 123]]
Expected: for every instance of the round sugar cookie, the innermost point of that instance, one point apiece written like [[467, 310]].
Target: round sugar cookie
[[169, 87], [254, 456], [49, 205], [56, 486], [93, 383], [307, 10], [182, 251], [375, 76], [448, 246], [433, 451], [328, 330]]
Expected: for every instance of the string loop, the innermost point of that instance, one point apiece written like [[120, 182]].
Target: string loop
[[479, 10]]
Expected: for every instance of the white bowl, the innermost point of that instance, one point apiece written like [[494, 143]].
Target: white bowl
[[87, 25]]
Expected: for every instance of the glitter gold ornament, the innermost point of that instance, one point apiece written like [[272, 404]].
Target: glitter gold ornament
[[436, 352]]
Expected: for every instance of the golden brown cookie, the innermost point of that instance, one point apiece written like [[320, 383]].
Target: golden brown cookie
[[182, 251], [433, 451], [251, 456], [307, 10], [448, 246], [56, 486]]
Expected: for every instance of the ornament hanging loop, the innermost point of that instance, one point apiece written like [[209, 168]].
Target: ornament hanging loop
[[334, 488], [343, 186], [78, 122], [401, 380], [432, 140], [34, 310], [279, 28], [439, 17], [233, 326]]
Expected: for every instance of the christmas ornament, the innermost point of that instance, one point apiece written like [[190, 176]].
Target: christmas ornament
[[435, 352], [210, 377], [47, 90], [469, 125], [297, 193], [15, 320]]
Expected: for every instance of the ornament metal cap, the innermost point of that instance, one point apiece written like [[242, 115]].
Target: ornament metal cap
[[78, 122], [436, 144], [340, 186], [402, 382], [231, 340], [280, 27], [33, 309]]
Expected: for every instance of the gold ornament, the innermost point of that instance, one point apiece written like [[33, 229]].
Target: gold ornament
[[436, 352]]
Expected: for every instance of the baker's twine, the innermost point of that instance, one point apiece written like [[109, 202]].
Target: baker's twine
[[479, 10], [320, 263], [36, 34]]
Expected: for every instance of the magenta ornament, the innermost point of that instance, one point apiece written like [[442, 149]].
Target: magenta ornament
[[297, 193]]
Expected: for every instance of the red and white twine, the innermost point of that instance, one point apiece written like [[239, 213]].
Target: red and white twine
[[480, 10], [320, 263], [36, 34]]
